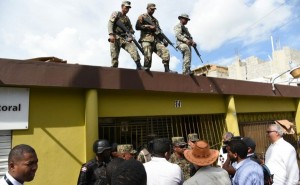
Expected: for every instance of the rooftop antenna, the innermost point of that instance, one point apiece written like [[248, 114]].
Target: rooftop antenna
[[272, 43]]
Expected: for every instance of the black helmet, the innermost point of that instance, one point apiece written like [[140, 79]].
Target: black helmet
[[101, 145]]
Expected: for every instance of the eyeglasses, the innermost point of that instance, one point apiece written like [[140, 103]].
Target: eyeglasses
[[269, 131]]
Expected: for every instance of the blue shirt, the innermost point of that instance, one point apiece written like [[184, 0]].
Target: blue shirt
[[248, 172]]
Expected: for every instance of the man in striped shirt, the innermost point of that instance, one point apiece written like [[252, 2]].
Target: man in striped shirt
[[248, 172]]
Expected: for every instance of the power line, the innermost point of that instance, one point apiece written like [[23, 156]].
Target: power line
[[259, 20]]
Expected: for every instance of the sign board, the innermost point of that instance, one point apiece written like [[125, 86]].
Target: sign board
[[14, 108]]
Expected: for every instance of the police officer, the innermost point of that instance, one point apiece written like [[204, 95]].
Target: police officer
[[150, 41], [94, 171], [118, 38], [179, 146], [184, 43]]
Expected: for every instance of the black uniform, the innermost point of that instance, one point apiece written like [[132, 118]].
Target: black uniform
[[93, 173]]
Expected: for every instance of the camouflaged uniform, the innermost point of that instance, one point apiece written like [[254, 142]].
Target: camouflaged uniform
[[92, 173], [150, 42], [184, 165], [193, 137], [126, 148], [185, 49], [181, 161], [121, 37]]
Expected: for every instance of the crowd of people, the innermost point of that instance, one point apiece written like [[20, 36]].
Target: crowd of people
[[174, 161], [152, 39]]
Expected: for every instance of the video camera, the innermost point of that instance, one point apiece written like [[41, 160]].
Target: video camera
[[225, 143]]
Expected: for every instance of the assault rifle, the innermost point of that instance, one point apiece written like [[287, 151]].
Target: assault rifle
[[190, 37], [129, 35], [159, 33]]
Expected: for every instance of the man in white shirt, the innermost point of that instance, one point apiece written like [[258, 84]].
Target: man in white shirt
[[281, 158], [22, 165], [159, 170]]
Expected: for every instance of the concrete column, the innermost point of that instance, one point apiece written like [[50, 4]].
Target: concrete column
[[231, 118], [297, 118], [91, 121]]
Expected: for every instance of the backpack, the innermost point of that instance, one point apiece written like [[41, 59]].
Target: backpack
[[268, 177]]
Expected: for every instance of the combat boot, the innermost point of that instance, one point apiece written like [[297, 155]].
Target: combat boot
[[138, 65], [115, 65], [188, 72], [168, 70], [147, 66]]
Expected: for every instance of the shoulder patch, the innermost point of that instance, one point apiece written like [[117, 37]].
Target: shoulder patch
[[114, 15]]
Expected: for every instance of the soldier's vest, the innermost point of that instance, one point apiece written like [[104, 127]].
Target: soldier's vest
[[183, 164], [125, 20], [149, 36]]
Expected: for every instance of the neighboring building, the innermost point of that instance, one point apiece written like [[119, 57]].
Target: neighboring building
[[257, 70], [212, 71], [66, 107], [250, 69]]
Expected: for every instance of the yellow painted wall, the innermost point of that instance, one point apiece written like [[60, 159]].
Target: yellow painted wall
[[253, 104], [231, 118], [56, 131], [91, 119], [63, 122], [129, 103]]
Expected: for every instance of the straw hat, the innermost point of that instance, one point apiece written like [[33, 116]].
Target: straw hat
[[201, 154]]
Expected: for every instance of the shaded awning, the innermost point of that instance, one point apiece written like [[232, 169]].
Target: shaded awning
[[286, 125]]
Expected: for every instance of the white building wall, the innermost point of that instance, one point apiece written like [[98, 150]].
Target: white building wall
[[255, 69]]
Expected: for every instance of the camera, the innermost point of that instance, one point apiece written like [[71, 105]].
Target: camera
[[225, 143]]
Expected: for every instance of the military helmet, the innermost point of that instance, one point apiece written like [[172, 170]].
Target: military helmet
[[101, 145]]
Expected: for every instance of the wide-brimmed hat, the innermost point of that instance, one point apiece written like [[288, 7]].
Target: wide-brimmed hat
[[178, 141], [201, 154], [193, 137], [126, 148], [185, 16], [126, 3]]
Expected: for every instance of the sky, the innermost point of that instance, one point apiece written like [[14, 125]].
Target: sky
[[76, 30]]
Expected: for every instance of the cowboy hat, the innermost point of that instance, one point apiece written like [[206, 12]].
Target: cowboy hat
[[201, 154]]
